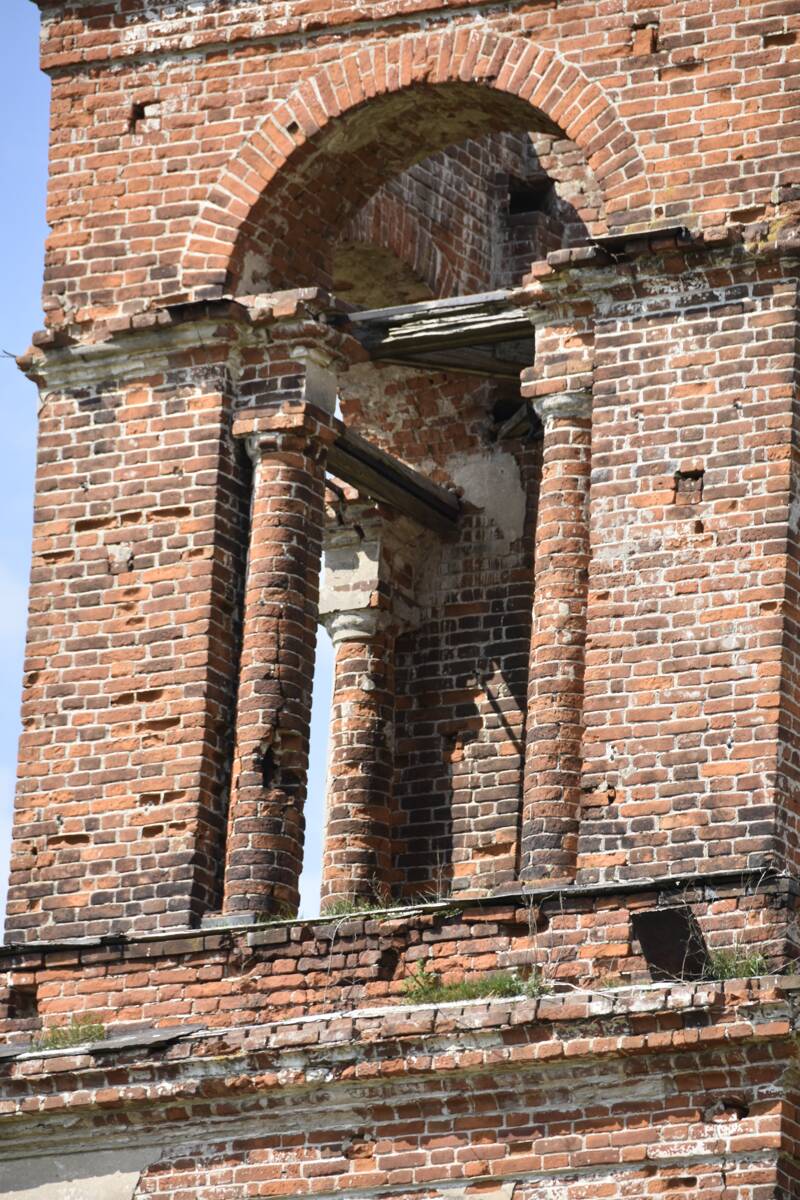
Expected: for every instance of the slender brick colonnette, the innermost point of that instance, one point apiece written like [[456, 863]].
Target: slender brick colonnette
[[264, 855], [552, 795], [357, 854]]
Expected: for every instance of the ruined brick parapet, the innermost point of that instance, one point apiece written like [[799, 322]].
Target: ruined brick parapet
[[480, 1091], [236, 972]]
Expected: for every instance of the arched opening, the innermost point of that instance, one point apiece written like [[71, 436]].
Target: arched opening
[[422, 194], [438, 176]]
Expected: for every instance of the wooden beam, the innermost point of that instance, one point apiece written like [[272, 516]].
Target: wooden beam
[[357, 462], [503, 360], [412, 330], [518, 423]]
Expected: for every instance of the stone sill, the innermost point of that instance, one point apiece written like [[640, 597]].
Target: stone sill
[[734, 999]]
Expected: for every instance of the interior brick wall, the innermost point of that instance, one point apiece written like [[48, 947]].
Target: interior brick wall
[[450, 217]]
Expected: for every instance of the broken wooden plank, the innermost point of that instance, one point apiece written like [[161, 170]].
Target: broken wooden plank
[[473, 329], [488, 361], [461, 321], [378, 475], [409, 311]]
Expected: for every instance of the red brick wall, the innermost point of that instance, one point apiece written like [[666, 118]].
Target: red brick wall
[[700, 112], [690, 520], [205, 152], [679, 1091], [140, 526], [242, 164]]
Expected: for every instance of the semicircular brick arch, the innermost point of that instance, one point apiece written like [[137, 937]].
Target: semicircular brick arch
[[553, 88]]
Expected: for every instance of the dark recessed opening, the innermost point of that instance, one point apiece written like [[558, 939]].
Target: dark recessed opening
[[22, 1004], [530, 196], [688, 487], [138, 112], [672, 942], [144, 116], [725, 1109]]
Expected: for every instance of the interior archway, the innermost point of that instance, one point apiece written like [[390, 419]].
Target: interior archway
[[463, 136], [369, 116]]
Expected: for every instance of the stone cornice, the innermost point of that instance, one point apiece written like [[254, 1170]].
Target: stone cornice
[[327, 1062], [216, 330], [655, 279]]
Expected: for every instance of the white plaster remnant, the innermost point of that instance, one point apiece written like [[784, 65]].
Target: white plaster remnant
[[350, 575], [254, 273], [120, 558], [468, 1191], [794, 504], [320, 384], [491, 481], [86, 1175]]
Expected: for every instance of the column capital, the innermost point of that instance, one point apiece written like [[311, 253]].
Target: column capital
[[320, 364], [559, 406], [262, 428], [355, 624]]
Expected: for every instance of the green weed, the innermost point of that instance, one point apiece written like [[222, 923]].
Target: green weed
[[425, 987], [736, 963], [80, 1030]]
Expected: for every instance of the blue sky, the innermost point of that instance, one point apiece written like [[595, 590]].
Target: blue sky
[[24, 101]]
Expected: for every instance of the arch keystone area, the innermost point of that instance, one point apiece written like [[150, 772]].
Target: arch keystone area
[[553, 86]]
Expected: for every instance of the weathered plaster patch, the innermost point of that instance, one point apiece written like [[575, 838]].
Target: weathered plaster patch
[[350, 575], [99, 1175], [491, 481], [469, 1191]]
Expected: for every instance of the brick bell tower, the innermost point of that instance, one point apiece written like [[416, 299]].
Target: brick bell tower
[[470, 332]]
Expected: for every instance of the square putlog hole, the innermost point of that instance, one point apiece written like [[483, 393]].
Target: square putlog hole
[[23, 1004], [688, 487], [672, 943]]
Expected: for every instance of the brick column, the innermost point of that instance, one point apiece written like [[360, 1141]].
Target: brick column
[[265, 821], [356, 861], [551, 799]]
